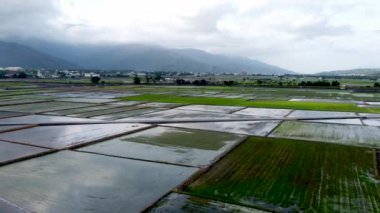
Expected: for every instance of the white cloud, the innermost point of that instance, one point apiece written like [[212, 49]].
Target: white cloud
[[303, 35]]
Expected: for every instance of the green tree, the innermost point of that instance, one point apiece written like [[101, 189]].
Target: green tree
[[3, 74], [21, 75], [136, 80], [95, 79], [157, 76], [335, 83]]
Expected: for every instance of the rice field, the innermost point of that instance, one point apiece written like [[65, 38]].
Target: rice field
[[185, 203], [63, 136], [207, 108], [13, 151], [259, 103], [290, 175], [319, 165], [331, 133], [185, 114], [78, 182], [325, 114], [7, 114], [256, 128], [35, 119], [169, 145], [43, 107], [264, 112]]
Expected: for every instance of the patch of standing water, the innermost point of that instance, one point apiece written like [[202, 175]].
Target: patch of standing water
[[65, 136], [80, 182], [171, 145]]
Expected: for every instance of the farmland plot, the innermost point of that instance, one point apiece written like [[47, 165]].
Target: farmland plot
[[67, 135], [81, 110], [44, 107], [29, 96], [103, 95], [7, 93], [371, 121], [264, 112], [125, 114], [160, 105], [210, 108], [170, 145], [8, 128], [9, 207], [325, 114], [183, 114], [125, 103], [34, 119], [87, 100], [185, 203], [373, 103], [257, 128], [6, 114], [110, 110], [326, 100], [289, 175], [12, 151], [70, 181], [7, 102], [331, 133]]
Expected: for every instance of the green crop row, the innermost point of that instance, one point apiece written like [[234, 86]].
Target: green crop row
[[278, 104], [292, 175]]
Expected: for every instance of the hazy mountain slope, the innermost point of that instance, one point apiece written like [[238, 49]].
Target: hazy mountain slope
[[362, 71], [227, 63], [153, 58], [13, 54], [137, 58]]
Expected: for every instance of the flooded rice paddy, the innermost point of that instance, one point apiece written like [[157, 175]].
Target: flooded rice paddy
[[43, 107], [35, 119], [77, 182], [273, 162], [170, 145], [208, 108], [63, 136], [326, 114], [13, 151], [331, 133], [258, 128], [185, 203], [263, 112]]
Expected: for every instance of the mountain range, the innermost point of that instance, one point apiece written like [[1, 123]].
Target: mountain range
[[139, 57], [13, 54], [353, 72]]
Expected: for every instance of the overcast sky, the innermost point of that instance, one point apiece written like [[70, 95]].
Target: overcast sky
[[302, 35]]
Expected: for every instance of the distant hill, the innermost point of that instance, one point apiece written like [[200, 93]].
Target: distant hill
[[142, 57], [353, 72], [13, 54]]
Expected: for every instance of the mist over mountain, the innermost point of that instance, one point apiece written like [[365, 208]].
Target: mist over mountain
[[361, 71], [13, 54], [141, 57]]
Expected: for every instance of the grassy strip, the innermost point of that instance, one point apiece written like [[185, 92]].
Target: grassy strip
[[303, 105], [322, 106], [292, 175], [168, 98], [15, 84]]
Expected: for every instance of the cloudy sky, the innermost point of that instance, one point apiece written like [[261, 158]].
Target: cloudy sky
[[301, 35]]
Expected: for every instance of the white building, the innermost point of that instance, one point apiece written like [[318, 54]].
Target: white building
[[14, 69], [91, 74]]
